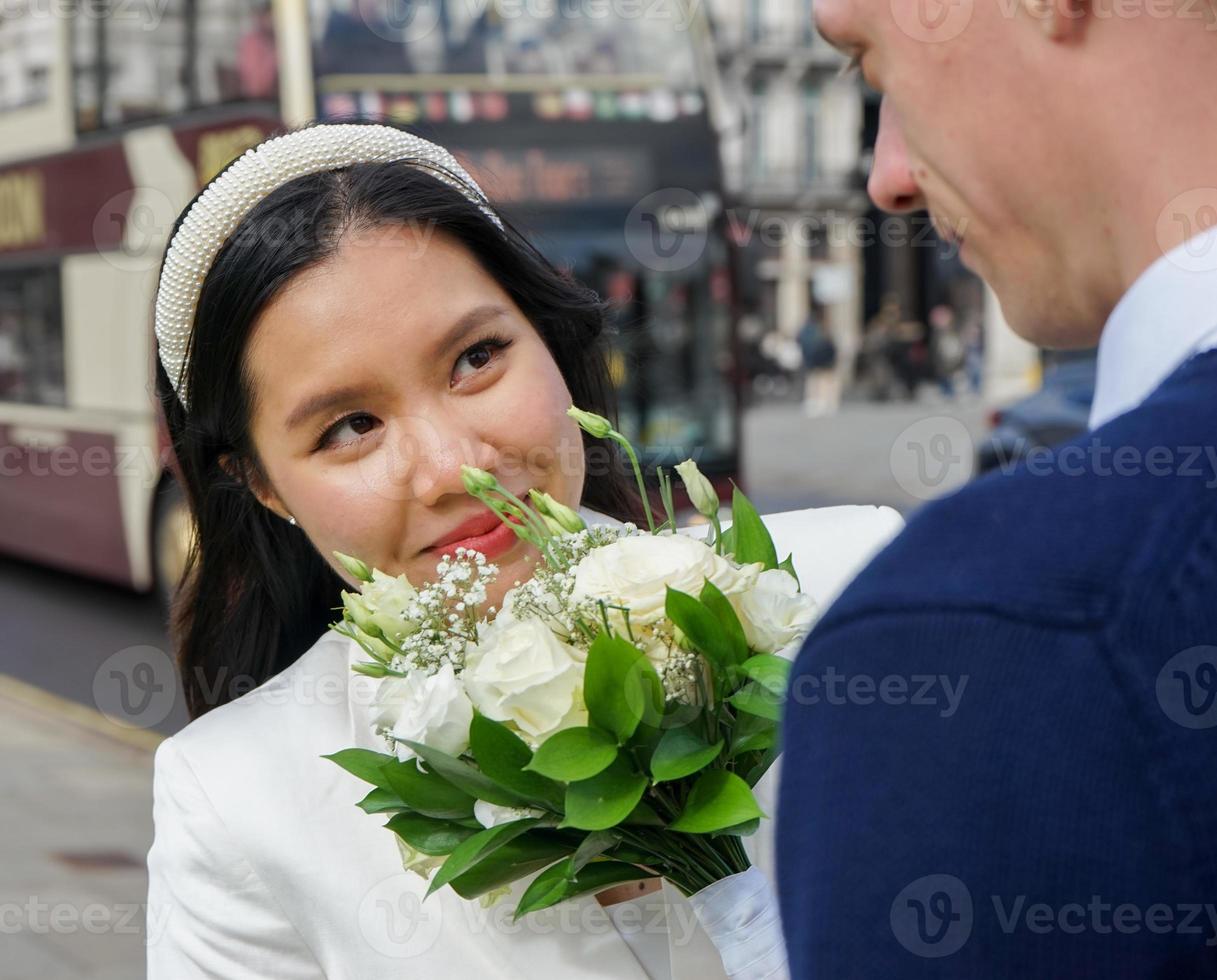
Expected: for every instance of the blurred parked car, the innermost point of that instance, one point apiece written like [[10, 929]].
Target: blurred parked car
[[1056, 413]]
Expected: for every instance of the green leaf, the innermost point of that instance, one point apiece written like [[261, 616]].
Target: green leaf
[[464, 776], [428, 835], [481, 845], [714, 600], [681, 753], [514, 860], [771, 672], [788, 566], [504, 757], [755, 699], [363, 763], [745, 829], [753, 776], [553, 885], [643, 816], [751, 733], [702, 629], [719, 799], [604, 800], [426, 792], [573, 754], [752, 539], [620, 686], [381, 801], [594, 844]]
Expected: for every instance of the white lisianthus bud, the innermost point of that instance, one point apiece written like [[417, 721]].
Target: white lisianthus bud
[[566, 520], [387, 600], [521, 673], [354, 566], [429, 708], [774, 613], [491, 814], [418, 862], [477, 481], [596, 426], [701, 491]]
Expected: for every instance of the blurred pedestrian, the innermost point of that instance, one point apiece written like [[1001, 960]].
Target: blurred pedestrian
[[821, 391]]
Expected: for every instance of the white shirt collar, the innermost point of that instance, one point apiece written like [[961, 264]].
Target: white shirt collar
[[1169, 314]]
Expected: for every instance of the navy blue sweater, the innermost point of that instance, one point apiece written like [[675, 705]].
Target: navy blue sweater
[[1000, 751]]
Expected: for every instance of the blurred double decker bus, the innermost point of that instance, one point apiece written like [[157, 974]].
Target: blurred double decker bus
[[589, 123]]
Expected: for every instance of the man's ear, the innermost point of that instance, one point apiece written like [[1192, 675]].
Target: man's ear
[[1060, 20], [242, 473]]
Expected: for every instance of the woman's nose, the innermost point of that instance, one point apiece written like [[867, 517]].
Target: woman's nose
[[891, 184], [439, 448]]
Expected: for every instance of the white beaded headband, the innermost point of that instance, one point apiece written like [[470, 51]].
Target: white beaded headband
[[217, 212]]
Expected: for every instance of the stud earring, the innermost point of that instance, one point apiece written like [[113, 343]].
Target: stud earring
[[291, 520]]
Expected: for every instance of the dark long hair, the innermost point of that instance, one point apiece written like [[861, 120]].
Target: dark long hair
[[255, 593]]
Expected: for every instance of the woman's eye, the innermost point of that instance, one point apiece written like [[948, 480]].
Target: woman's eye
[[478, 356], [360, 423]]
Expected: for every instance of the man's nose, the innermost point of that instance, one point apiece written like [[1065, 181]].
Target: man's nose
[[891, 184]]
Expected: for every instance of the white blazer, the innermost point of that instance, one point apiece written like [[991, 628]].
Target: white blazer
[[263, 868]]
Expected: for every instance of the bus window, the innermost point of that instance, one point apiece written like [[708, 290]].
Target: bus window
[[27, 50], [31, 337], [148, 71]]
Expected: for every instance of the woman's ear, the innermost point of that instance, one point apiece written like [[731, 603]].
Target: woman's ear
[[243, 473]]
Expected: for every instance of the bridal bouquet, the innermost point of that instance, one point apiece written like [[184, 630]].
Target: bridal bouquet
[[607, 724]]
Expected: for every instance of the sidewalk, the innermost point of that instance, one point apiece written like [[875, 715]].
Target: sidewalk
[[75, 827]]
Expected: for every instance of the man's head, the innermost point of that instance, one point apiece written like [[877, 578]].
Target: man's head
[[1064, 143]]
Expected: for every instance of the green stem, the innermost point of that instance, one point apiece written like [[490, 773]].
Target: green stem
[[642, 488]]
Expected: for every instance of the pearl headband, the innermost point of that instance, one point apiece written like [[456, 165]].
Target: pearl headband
[[217, 212]]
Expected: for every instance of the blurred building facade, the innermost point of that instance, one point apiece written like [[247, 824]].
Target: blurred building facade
[[792, 151]]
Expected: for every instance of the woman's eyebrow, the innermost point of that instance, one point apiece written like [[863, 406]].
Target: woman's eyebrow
[[327, 400], [467, 323]]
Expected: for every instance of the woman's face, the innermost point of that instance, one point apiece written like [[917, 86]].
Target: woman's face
[[376, 375]]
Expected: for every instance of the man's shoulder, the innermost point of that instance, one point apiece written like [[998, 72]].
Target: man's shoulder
[[1060, 537]]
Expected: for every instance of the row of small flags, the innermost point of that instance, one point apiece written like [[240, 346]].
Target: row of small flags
[[579, 105]]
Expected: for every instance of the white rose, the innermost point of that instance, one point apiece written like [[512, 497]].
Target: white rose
[[492, 814], [635, 572], [521, 673], [429, 708], [774, 613]]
